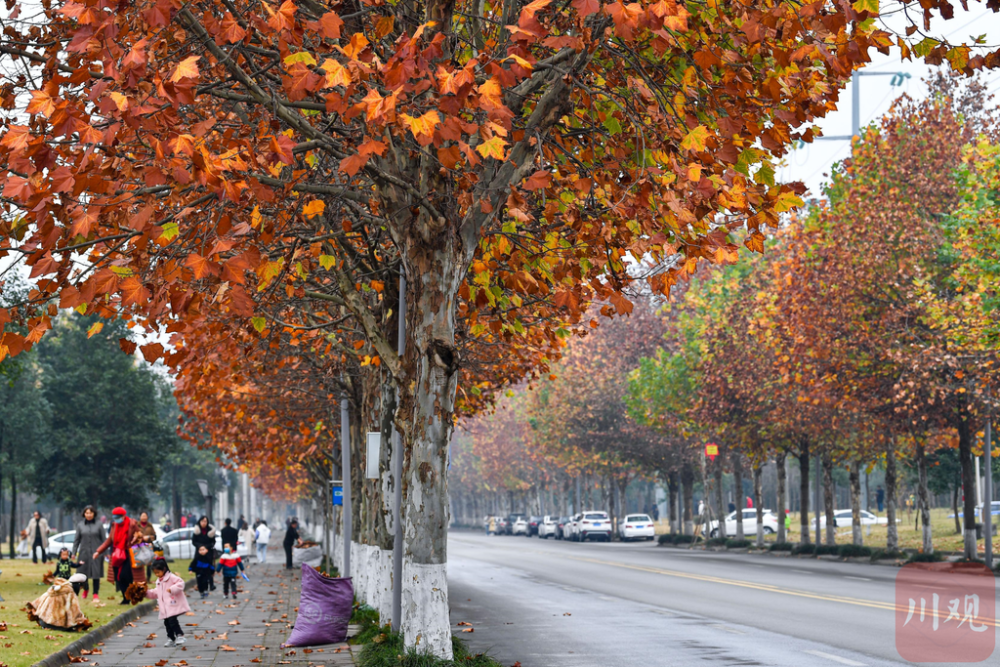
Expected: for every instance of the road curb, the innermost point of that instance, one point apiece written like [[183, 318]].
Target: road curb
[[92, 638]]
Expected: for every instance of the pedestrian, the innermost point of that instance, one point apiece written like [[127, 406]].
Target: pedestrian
[[788, 520], [168, 527], [242, 523], [124, 533], [262, 536], [146, 534], [230, 564], [656, 512], [880, 498], [732, 507], [204, 535], [184, 521], [89, 537], [203, 568], [701, 508], [38, 536], [246, 539], [169, 592], [230, 535], [65, 566], [291, 539], [749, 503]]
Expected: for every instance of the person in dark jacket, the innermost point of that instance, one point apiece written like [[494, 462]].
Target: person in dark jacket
[[230, 535], [204, 536], [291, 539], [203, 569], [89, 536]]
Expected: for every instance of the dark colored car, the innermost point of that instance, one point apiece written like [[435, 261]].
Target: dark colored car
[[511, 518], [533, 525], [563, 520]]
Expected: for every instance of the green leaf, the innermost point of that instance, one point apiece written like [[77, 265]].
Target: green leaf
[[765, 174], [696, 138], [170, 231], [258, 323], [866, 6], [327, 261], [612, 125]]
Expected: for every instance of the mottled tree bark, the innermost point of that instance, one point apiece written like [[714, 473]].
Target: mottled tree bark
[[781, 505], [923, 499], [758, 499], [892, 533], [673, 482], [720, 506], [804, 538], [687, 484], [829, 492], [856, 536], [737, 462], [965, 437]]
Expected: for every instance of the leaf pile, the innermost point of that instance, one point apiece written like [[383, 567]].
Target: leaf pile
[[136, 592]]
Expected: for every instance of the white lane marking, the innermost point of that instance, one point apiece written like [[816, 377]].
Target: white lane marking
[[603, 597], [836, 658], [728, 629], [858, 578], [803, 571]]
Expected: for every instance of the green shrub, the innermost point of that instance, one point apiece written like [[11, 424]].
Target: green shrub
[[919, 557], [781, 546], [716, 542], [665, 538], [827, 550], [364, 615], [386, 649], [804, 549], [738, 544], [854, 551], [886, 554], [683, 539]]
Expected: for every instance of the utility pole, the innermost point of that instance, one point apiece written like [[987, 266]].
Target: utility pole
[[397, 478], [897, 79], [988, 505], [345, 459]]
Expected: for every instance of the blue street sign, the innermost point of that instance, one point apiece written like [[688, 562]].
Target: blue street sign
[[338, 495]]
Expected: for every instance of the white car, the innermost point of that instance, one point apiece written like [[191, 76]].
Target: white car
[[636, 527], [547, 527], [60, 541], [592, 525], [749, 524], [520, 526], [844, 519], [177, 544], [570, 527]]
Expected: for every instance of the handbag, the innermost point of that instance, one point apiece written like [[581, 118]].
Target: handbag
[[117, 557], [142, 555]]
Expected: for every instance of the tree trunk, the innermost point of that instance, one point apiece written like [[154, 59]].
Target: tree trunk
[[892, 534], [965, 437], [804, 538], [719, 499], [828, 497], [740, 501], [13, 509], [782, 497], [923, 500], [856, 536], [674, 509], [954, 510], [687, 485], [758, 499]]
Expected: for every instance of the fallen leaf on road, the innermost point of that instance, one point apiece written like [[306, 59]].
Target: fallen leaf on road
[[226, 647], [567, 614]]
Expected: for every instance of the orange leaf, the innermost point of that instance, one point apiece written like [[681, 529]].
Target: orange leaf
[[152, 352], [314, 208], [186, 69]]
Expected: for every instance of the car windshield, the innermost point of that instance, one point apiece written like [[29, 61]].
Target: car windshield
[[637, 518], [595, 516]]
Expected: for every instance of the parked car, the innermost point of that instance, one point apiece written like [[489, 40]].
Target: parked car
[[547, 527], [501, 526], [994, 509], [533, 525], [844, 518], [60, 541], [593, 525], [177, 544], [749, 523], [512, 519], [636, 527], [561, 527], [520, 526], [570, 527]]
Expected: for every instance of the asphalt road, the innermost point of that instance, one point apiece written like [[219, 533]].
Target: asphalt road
[[545, 603]]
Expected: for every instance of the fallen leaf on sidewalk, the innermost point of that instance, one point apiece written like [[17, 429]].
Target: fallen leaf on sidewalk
[[149, 645], [189, 613], [464, 623], [307, 650], [219, 611], [152, 635], [292, 652], [469, 630], [131, 625], [516, 664], [255, 660], [182, 663], [190, 625], [72, 658], [161, 663], [234, 622], [226, 647], [567, 614], [223, 637]]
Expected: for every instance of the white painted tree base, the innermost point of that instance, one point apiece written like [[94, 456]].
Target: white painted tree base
[[426, 623]]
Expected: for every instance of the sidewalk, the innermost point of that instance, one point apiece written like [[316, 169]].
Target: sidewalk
[[246, 632]]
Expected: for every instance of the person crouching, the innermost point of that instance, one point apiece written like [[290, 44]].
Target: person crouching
[[203, 569], [230, 564], [169, 593]]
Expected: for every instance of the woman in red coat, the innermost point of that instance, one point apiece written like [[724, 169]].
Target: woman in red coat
[[123, 534]]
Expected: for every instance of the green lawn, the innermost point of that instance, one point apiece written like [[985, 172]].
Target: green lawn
[[24, 643], [942, 527]]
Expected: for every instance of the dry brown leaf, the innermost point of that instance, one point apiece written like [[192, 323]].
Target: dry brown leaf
[[226, 647]]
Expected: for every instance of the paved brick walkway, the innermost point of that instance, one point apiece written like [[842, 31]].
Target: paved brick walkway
[[247, 632]]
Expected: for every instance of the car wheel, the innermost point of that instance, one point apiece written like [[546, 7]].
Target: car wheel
[[768, 530], [649, 539]]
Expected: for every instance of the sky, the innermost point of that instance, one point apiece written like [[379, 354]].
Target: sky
[[811, 163]]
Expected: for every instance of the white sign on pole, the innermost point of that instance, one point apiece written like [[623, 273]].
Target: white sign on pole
[[372, 453]]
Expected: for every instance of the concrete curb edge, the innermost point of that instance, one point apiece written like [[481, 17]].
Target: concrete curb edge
[[92, 638]]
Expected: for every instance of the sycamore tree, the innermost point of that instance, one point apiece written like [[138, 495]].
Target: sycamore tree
[[159, 159]]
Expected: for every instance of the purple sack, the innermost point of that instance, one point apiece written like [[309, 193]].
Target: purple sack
[[325, 607]]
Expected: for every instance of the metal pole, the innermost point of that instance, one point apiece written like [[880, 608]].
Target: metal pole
[[988, 505], [819, 465], [345, 458], [855, 104], [397, 479]]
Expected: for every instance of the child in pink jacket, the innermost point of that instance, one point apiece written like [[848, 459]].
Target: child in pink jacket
[[170, 593]]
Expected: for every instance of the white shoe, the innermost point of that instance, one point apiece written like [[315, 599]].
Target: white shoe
[[168, 643], [180, 640]]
